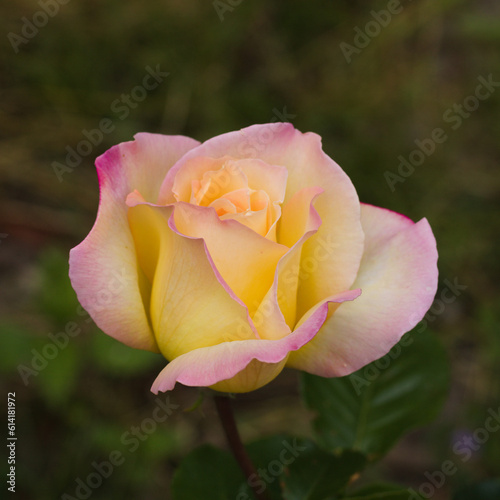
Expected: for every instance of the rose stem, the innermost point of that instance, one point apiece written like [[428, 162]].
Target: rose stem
[[226, 415]]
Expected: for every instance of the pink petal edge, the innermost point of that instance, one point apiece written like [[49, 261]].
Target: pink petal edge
[[210, 365], [398, 275], [103, 267]]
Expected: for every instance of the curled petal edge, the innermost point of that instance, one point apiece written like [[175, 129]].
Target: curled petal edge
[[210, 365]]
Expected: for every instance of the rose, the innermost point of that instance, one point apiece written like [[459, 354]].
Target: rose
[[245, 254]]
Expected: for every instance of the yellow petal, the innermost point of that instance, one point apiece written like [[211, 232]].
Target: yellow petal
[[191, 307], [246, 260]]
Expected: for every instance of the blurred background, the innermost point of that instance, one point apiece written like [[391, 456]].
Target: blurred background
[[231, 64]]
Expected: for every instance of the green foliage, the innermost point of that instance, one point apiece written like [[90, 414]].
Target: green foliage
[[317, 475], [487, 490], [288, 468], [382, 492], [272, 457], [207, 473], [372, 408]]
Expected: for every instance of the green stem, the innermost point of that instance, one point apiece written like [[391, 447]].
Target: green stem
[[226, 415]]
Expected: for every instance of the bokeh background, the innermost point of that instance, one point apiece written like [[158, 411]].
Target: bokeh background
[[230, 65]]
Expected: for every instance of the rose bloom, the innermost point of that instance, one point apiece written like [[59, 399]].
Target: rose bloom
[[247, 253]]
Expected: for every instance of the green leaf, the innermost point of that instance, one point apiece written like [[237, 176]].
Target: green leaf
[[318, 475], [383, 491], [208, 473], [487, 490], [271, 457], [305, 471], [370, 409]]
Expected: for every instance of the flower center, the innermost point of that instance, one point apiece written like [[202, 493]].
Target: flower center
[[248, 191]]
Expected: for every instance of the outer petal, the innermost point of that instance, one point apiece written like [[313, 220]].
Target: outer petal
[[398, 276], [103, 268], [243, 365], [190, 306], [308, 166]]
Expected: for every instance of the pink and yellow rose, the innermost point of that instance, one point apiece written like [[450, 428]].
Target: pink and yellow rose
[[245, 254]]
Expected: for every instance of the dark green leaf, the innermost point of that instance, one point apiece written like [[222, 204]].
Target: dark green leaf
[[210, 474], [370, 409], [318, 475], [272, 457], [487, 490], [384, 491]]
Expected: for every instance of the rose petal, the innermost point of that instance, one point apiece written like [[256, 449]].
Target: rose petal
[[256, 221], [298, 215], [265, 177], [276, 315], [223, 207], [215, 184], [340, 236], [103, 268], [254, 363], [245, 259], [258, 175], [190, 307], [398, 276]]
